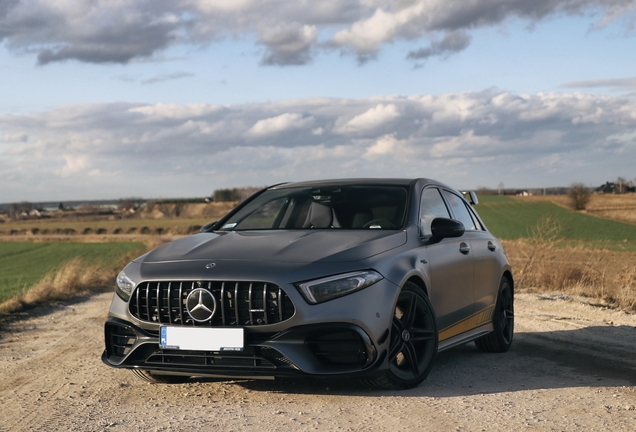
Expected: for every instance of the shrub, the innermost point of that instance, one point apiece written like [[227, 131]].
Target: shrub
[[579, 196]]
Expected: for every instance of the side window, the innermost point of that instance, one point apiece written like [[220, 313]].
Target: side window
[[478, 225], [431, 206], [460, 211]]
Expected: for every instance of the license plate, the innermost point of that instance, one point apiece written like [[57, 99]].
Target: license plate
[[201, 339]]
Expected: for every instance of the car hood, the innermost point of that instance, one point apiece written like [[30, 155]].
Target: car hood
[[297, 246]]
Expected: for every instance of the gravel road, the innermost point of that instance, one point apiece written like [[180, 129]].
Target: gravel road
[[572, 367]]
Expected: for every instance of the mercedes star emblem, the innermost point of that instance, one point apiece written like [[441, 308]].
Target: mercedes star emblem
[[200, 305]]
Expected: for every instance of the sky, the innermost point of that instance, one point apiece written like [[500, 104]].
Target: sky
[[108, 99]]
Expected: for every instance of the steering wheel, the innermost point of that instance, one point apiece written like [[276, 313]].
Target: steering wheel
[[382, 222]]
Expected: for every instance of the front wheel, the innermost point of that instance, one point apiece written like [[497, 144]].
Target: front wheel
[[413, 344], [503, 321]]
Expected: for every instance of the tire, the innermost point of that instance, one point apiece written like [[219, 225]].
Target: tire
[[413, 342], [503, 321], [157, 378]]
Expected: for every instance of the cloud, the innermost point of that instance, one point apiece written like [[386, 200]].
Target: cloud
[[467, 139], [280, 123], [613, 83], [167, 77], [291, 31], [387, 146], [74, 164], [16, 137], [371, 119], [451, 43], [288, 44]]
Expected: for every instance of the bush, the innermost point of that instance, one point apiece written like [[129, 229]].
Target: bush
[[579, 196]]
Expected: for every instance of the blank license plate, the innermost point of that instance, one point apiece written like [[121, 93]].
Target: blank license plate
[[201, 339]]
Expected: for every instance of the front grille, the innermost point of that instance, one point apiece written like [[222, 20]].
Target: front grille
[[238, 303], [249, 358]]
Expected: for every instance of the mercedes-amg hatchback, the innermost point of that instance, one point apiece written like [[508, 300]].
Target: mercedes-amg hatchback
[[363, 277]]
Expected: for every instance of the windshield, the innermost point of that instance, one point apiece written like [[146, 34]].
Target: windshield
[[341, 207]]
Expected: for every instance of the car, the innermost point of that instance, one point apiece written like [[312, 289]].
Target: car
[[366, 278]]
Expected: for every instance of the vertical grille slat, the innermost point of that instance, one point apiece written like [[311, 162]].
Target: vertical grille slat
[[181, 303], [236, 302], [169, 303], [148, 305], [249, 305], [159, 301], [265, 303], [138, 307], [223, 303], [239, 303]]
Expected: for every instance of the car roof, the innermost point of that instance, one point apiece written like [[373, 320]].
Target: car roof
[[350, 181]]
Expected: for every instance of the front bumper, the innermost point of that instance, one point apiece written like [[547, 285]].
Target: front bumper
[[318, 350]]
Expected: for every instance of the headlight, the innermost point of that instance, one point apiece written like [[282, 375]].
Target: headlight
[[125, 286], [321, 290]]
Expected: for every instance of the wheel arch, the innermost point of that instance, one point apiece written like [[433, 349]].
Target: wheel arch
[[414, 279], [508, 275]]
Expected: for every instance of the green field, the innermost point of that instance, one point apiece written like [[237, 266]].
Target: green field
[[511, 218], [23, 264]]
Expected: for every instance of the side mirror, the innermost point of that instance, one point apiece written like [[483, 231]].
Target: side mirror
[[471, 197], [442, 228], [208, 227]]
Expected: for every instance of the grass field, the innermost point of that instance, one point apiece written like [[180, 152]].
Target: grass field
[[515, 218], [583, 255], [24, 264]]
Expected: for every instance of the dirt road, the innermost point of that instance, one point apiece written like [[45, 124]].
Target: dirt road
[[572, 367]]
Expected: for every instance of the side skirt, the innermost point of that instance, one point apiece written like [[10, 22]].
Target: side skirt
[[465, 337]]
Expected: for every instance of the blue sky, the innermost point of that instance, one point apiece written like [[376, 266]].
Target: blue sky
[[275, 91]]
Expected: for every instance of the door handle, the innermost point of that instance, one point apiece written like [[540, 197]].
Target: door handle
[[464, 248], [491, 246]]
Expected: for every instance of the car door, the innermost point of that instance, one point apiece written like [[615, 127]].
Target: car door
[[450, 267], [484, 249]]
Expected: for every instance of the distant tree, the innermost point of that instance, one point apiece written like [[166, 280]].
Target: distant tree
[[621, 185], [482, 191], [223, 195], [16, 209], [579, 196], [234, 194]]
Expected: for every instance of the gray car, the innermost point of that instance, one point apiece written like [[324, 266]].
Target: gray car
[[364, 277]]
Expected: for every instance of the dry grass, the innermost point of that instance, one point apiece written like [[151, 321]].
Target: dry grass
[[621, 207], [72, 279], [605, 276]]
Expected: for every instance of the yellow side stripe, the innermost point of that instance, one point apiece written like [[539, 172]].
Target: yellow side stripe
[[475, 320]]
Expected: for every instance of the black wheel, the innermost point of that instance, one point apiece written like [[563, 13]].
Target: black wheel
[[413, 343], [503, 320], [157, 378]]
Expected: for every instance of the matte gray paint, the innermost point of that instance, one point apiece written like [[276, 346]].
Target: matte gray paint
[[288, 257]]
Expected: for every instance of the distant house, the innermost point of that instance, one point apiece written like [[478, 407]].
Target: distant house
[[611, 188]]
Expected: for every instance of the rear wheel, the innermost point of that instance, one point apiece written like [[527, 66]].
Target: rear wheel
[[503, 321], [158, 378], [413, 343]]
